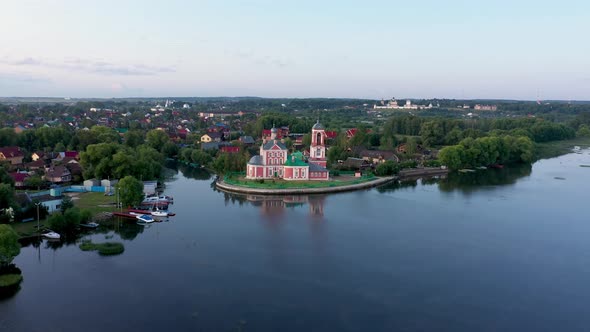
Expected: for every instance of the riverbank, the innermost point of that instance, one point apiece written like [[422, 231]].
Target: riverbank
[[557, 148], [426, 171], [329, 187]]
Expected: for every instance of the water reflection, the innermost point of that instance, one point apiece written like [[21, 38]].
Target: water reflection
[[274, 207], [465, 183]]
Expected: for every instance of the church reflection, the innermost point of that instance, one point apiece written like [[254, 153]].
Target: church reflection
[[273, 207]]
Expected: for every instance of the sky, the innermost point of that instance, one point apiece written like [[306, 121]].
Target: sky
[[518, 49]]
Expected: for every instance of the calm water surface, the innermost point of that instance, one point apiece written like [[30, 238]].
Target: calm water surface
[[499, 250]]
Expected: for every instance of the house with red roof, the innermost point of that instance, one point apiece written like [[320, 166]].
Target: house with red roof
[[19, 178], [12, 154], [230, 149]]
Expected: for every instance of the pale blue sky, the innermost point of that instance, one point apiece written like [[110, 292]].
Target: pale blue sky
[[366, 49]]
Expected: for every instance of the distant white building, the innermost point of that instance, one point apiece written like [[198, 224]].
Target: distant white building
[[393, 104]]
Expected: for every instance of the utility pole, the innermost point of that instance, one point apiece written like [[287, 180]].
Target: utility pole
[[38, 228]]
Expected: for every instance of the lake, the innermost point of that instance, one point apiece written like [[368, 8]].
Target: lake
[[495, 250]]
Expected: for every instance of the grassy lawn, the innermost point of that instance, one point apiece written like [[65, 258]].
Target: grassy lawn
[[282, 184], [94, 202], [557, 148], [28, 228]]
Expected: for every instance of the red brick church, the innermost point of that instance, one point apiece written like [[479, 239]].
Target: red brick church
[[274, 160]]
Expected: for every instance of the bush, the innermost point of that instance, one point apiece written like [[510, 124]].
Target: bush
[[104, 249], [432, 163], [111, 248], [10, 280]]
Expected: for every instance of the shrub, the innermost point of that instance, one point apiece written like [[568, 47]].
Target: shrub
[[110, 248], [10, 280], [104, 249]]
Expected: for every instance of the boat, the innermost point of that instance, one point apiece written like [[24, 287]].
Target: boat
[[466, 170], [144, 219], [52, 235], [159, 213], [159, 199], [498, 166], [89, 225], [584, 165]]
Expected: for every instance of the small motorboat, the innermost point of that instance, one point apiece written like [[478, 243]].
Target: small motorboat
[[144, 219], [52, 235], [160, 213], [90, 225]]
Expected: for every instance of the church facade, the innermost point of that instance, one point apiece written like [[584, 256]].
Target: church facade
[[274, 161]]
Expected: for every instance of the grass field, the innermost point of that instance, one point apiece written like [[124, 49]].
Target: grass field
[[282, 184], [557, 148], [94, 202], [29, 228]]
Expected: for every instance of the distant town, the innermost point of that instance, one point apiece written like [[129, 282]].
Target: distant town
[[47, 143]]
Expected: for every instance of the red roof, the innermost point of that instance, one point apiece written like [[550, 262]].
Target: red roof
[[230, 149], [71, 154], [331, 134], [19, 177], [350, 132], [11, 151]]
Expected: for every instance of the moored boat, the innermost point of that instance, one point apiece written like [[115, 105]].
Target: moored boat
[[52, 235], [145, 219], [89, 225]]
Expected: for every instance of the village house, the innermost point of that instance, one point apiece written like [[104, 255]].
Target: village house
[[282, 132], [247, 140], [212, 137], [230, 149], [58, 174], [376, 156], [12, 154], [19, 179]]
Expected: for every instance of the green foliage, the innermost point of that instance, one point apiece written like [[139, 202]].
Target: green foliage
[[387, 168], [66, 203], [104, 249], [10, 280], [156, 139], [432, 163], [5, 178], [6, 196], [583, 131], [230, 162], [134, 138], [486, 151], [34, 181], [110, 160], [67, 223], [9, 246], [130, 191], [411, 146], [170, 149], [85, 216], [200, 157]]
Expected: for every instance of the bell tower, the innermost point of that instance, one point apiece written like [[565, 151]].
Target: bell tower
[[317, 150]]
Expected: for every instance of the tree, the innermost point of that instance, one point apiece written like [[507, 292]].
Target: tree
[[9, 246], [583, 131], [200, 157], [306, 140], [5, 177], [375, 140], [156, 139], [134, 138], [130, 191], [411, 146], [170, 149], [34, 181], [66, 203], [6, 196]]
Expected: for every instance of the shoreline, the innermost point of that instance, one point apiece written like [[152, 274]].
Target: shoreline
[[289, 191]]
